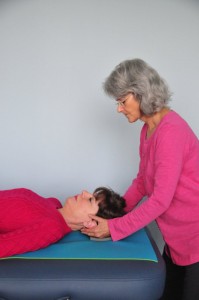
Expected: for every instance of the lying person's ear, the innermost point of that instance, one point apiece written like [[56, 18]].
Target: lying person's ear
[[90, 224]]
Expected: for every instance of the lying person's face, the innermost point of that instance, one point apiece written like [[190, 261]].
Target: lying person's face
[[79, 207]]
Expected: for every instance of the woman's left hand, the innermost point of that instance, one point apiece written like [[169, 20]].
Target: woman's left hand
[[99, 231]]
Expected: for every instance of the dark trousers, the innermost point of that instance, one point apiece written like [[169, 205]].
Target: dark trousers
[[182, 282]]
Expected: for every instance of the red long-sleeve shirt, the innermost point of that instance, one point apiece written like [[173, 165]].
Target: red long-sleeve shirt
[[28, 222]]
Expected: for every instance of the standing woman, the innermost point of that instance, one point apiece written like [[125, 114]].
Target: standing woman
[[168, 176]]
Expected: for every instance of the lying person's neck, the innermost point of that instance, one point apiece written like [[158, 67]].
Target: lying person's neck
[[73, 225]]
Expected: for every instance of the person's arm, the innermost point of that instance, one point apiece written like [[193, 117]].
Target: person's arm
[[169, 158], [31, 238], [132, 196]]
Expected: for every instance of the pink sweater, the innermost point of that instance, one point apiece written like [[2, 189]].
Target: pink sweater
[[169, 178], [28, 222]]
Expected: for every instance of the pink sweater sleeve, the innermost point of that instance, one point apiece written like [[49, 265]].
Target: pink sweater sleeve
[[161, 179]]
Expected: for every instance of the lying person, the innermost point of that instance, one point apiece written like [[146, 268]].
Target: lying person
[[29, 222]]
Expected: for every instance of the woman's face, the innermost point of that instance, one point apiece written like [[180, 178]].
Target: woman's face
[[130, 107], [80, 207]]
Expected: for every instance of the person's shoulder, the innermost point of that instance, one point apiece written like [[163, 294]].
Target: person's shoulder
[[54, 202], [174, 128], [173, 121]]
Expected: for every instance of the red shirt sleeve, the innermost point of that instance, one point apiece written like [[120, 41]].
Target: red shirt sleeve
[[32, 237]]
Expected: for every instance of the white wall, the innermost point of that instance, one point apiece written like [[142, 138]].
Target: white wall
[[59, 133]]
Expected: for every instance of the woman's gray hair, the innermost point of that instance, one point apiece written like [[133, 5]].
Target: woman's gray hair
[[137, 77]]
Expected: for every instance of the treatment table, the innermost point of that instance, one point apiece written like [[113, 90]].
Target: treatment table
[[77, 268]]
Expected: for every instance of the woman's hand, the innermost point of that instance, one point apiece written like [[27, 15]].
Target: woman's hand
[[101, 230]]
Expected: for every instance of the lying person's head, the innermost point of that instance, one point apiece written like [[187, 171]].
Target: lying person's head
[[103, 202], [111, 204]]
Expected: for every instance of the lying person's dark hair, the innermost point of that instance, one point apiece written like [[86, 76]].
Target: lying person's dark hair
[[111, 204]]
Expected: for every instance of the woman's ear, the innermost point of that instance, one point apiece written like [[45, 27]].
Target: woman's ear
[[90, 224]]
